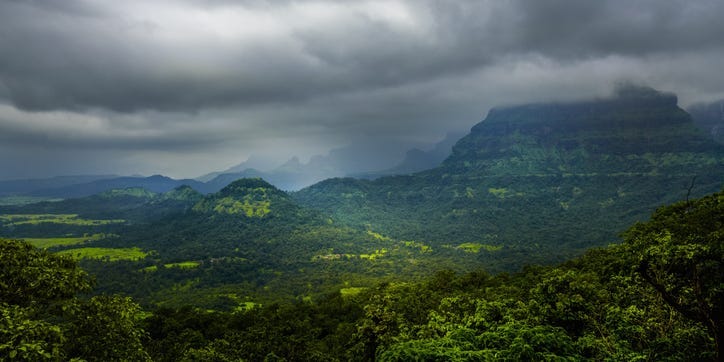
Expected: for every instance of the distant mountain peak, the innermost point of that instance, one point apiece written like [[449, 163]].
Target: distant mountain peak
[[250, 197], [128, 191], [584, 137], [244, 185], [183, 193], [639, 92]]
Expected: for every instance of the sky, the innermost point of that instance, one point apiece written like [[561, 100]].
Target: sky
[[186, 87]]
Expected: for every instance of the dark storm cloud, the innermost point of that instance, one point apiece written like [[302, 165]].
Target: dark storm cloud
[[201, 75], [638, 28], [76, 55]]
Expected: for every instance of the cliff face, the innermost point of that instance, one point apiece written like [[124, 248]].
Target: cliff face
[[640, 132]]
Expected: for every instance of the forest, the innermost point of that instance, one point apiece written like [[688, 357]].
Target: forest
[[543, 236], [655, 296]]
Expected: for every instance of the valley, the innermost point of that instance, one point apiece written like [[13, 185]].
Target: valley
[[525, 214]]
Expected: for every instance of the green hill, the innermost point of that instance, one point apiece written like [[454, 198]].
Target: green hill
[[251, 242], [546, 179], [532, 184]]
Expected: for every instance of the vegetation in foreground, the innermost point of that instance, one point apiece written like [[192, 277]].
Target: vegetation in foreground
[[656, 296]]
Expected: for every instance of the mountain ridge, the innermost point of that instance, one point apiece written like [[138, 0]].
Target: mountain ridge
[[541, 176]]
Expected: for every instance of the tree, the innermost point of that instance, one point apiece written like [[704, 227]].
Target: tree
[[106, 328], [34, 285], [42, 319], [680, 254], [32, 277]]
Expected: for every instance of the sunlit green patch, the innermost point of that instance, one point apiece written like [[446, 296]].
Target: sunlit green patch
[[503, 193], [378, 236], [254, 204], [498, 192], [45, 243], [351, 291], [67, 219], [130, 191], [377, 254], [476, 247], [333, 257], [244, 306], [247, 206], [110, 254], [414, 244], [183, 265]]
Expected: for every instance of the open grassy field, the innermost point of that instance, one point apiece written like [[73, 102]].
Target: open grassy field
[[112, 254], [68, 219], [183, 265], [45, 243]]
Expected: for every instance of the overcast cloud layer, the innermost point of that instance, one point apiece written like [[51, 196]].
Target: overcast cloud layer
[[184, 87]]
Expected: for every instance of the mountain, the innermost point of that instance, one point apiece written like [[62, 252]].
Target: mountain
[[546, 179], [134, 205], [156, 183], [254, 162], [292, 175], [252, 198], [418, 160], [252, 240], [18, 187], [530, 184], [710, 118], [182, 193], [363, 160]]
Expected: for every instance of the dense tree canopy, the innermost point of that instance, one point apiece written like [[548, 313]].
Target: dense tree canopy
[[656, 296], [680, 252], [42, 319]]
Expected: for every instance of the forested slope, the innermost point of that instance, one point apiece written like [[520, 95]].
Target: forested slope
[[656, 296], [546, 179]]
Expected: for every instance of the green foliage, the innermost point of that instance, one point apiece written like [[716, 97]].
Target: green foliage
[[183, 193], [130, 191], [23, 338], [248, 197], [476, 247], [29, 276], [109, 254], [546, 181], [183, 265], [106, 328], [680, 252], [45, 243], [41, 319], [532, 184], [68, 219]]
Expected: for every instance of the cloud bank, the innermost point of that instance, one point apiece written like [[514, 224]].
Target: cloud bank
[[190, 86]]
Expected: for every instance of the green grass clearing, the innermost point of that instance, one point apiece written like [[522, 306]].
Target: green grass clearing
[[67, 219], [183, 265], [44, 243], [476, 247], [351, 291], [112, 254]]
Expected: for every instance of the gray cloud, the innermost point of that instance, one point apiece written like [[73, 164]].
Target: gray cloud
[[230, 78], [77, 57]]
